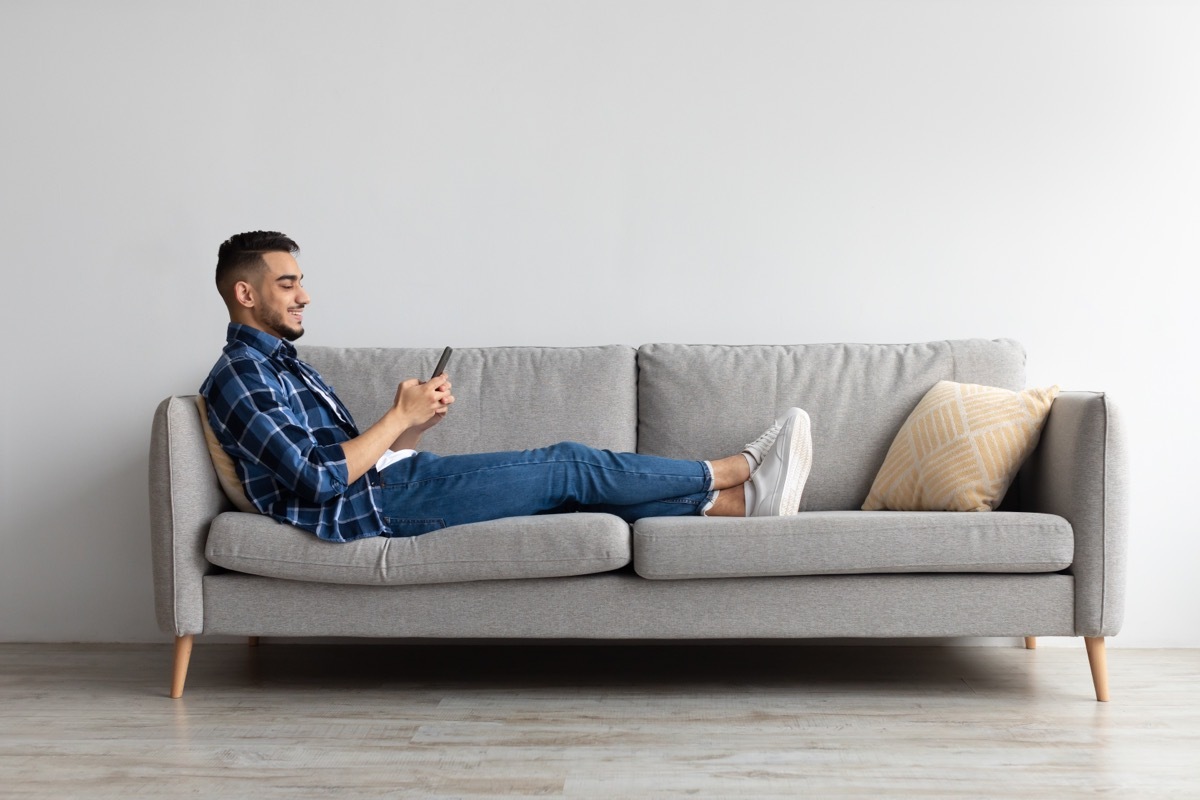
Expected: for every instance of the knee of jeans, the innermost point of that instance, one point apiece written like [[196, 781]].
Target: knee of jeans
[[569, 449]]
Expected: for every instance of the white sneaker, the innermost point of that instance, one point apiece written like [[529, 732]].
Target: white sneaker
[[759, 447], [775, 489]]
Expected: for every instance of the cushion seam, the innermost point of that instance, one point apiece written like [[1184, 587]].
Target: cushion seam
[[1048, 567], [976, 564], [1104, 514], [789, 534], [171, 502], [372, 567]]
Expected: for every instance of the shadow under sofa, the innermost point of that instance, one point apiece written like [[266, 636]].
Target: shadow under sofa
[[1049, 562]]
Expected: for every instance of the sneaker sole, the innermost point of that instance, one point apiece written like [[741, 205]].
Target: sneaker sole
[[790, 488]]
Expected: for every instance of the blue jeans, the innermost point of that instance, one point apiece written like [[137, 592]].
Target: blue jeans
[[427, 492]]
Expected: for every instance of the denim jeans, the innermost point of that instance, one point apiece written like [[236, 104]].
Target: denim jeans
[[427, 492]]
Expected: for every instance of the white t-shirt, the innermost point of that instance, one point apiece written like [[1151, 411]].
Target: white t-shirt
[[392, 456]]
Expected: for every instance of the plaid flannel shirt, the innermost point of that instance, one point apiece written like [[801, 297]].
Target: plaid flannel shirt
[[284, 427]]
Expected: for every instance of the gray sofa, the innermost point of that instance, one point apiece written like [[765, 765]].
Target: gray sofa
[[1050, 561]]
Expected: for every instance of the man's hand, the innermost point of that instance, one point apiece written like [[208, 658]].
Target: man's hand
[[423, 405], [417, 407]]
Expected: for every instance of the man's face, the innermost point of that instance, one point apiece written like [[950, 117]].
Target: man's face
[[279, 298]]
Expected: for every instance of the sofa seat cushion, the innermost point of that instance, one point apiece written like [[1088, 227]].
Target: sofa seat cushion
[[850, 542], [518, 547]]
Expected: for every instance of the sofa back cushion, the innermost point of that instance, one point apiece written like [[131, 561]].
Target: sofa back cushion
[[707, 401], [506, 398]]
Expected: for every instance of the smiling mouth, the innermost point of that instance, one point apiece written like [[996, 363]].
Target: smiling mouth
[[297, 313]]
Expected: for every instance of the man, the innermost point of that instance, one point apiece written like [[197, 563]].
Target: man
[[302, 460]]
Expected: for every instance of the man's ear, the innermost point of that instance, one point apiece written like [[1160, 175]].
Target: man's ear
[[244, 294]]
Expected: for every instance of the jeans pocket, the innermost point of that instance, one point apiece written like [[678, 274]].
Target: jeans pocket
[[401, 526]]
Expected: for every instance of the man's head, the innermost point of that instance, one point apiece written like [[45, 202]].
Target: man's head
[[259, 280]]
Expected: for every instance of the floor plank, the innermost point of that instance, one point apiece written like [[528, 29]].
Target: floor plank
[[612, 721]]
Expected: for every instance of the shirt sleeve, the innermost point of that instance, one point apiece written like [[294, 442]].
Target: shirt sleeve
[[254, 422]]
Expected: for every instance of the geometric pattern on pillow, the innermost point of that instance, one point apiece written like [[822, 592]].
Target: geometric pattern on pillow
[[227, 475], [960, 448]]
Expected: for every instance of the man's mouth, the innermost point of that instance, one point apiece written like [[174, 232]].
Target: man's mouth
[[297, 314]]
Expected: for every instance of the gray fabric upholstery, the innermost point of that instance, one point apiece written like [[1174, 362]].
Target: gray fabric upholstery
[[850, 542], [707, 401], [506, 398], [617, 605], [1079, 471], [184, 497], [518, 547], [684, 401]]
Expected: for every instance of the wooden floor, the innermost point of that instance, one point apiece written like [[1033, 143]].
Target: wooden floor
[[350, 720]]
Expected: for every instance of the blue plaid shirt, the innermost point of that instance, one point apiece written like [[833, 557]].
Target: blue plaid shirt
[[284, 427]]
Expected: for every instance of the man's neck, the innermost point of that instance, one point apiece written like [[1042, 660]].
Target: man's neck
[[249, 323]]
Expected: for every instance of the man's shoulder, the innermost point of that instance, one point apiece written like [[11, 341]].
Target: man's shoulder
[[237, 360]]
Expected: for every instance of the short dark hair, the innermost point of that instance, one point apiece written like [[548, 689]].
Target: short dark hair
[[241, 256]]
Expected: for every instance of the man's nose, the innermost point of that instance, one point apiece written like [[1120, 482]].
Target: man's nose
[[302, 297]]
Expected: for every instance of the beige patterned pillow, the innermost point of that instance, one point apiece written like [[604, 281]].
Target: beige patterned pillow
[[960, 448], [227, 475]]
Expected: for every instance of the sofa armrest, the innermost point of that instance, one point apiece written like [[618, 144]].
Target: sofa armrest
[[1079, 471], [184, 499]]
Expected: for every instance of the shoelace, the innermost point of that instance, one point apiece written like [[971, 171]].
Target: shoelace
[[762, 444]]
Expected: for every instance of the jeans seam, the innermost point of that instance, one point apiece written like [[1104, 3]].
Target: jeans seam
[[707, 474], [681, 500]]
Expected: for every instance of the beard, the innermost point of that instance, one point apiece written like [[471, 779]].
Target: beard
[[278, 324]]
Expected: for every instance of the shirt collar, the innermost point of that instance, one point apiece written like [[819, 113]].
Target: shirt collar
[[265, 343]]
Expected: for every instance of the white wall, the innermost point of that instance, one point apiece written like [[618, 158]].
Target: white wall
[[500, 173]]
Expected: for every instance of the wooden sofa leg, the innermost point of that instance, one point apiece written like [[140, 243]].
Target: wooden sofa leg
[[254, 641], [183, 652], [1031, 643], [1099, 663]]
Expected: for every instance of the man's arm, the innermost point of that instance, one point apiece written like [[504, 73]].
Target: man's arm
[[417, 407], [410, 439], [247, 407], [249, 412]]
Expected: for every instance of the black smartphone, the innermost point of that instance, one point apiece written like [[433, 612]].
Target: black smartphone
[[441, 367]]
